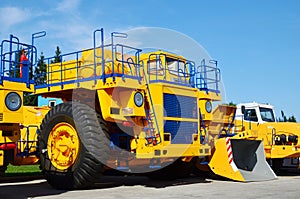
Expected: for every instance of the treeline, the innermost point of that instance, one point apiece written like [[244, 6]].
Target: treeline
[[40, 76]]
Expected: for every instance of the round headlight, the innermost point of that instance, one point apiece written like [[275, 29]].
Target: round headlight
[[138, 99], [208, 106], [13, 101]]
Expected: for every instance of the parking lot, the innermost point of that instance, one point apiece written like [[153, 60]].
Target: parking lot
[[286, 186]]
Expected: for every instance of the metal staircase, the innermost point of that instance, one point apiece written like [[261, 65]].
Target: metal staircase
[[28, 146], [152, 130]]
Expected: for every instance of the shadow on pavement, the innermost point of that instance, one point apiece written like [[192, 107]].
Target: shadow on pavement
[[20, 178], [21, 187], [34, 186], [114, 181]]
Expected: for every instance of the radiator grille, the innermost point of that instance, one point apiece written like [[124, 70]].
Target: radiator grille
[[181, 132], [180, 106]]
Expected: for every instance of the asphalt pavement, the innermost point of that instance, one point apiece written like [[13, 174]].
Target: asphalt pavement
[[137, 187]]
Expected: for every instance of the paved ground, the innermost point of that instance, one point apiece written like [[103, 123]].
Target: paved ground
[[130, 187]]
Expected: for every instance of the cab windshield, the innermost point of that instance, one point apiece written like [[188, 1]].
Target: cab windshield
[[176, 67], [267, 114]]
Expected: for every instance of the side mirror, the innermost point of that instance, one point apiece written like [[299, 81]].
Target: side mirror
[[243, 109]]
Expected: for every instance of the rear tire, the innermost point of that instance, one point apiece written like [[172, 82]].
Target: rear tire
[[84, 168], [277, 165]]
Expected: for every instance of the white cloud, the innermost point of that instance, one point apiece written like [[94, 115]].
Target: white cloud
[[70, 35], [10, 16], [68, 5]]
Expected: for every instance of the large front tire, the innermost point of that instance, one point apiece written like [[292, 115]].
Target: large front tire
[[71, 135]]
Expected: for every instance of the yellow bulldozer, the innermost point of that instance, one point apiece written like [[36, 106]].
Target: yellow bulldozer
[[257, 121], [281, 139], [147, 113]]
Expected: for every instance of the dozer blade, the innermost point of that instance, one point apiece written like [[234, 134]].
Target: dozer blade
[[240, 160]]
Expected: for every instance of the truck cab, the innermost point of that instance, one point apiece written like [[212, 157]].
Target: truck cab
[[255, 112]]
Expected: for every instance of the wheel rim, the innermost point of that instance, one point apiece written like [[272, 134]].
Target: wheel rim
[[63, 145]]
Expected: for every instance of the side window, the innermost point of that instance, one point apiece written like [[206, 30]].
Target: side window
[[155, 67], [176, 68], [250, 114]]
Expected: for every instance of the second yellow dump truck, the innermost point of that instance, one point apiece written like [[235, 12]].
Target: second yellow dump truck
[[18, 123]]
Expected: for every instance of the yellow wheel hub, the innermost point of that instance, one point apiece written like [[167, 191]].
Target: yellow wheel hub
[[63, 145]]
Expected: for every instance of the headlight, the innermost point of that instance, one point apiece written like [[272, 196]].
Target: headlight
[[13, 101], [208, 106], [138, 99]]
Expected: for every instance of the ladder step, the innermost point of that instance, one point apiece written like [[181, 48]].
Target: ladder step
[[149, 128], [154, 166]]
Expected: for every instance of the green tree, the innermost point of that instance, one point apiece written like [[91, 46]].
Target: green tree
[[57, 57], [292, 119], [232, 104], [40, 78], [40, 70], [283, 118]]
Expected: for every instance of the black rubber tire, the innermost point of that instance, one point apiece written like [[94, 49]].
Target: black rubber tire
[[277, 165], [175, 170], [87, 168]]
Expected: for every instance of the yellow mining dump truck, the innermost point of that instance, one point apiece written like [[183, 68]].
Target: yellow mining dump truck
[[256, 121], [17, 134], [132, 111]]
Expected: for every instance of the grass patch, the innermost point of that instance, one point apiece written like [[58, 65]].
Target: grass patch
[[24, 170]]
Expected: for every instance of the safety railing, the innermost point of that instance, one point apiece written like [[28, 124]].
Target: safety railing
[[17, 61], [98, 63], [129, 58], [207, 77], [62, 72]]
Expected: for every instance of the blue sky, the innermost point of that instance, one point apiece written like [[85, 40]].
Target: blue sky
[[255, 42]]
